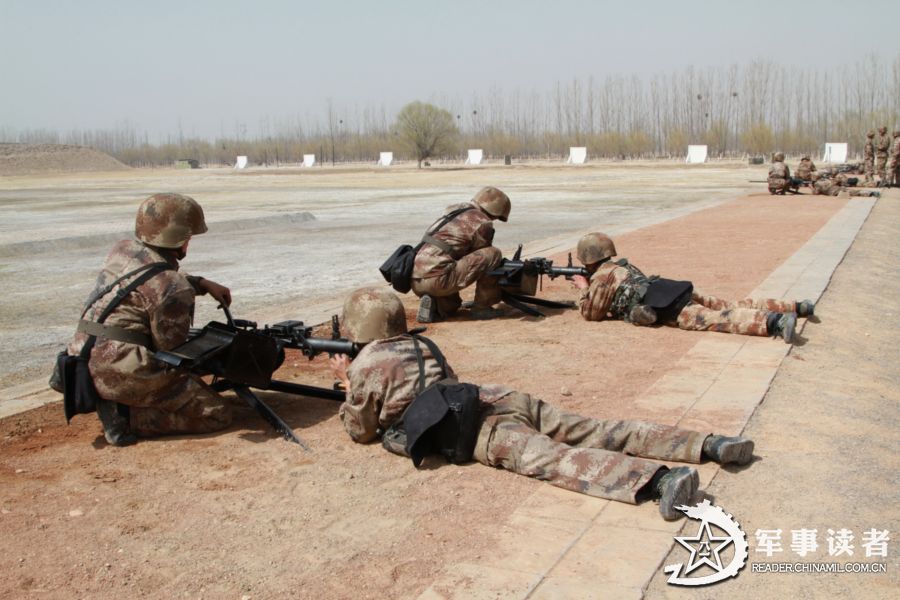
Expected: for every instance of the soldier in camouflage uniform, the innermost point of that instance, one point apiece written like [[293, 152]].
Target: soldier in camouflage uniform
[[458, 254], [155, 316], [833, 184], [517, 431], [806, 170], [618, 290], [869, 157], [894, 173], [881, 155], [780, 176]]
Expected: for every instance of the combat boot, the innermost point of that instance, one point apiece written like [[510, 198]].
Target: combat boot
[[676, 488], [806, 308], [728, 450], [782, 325], [116, 429], [427, 310]]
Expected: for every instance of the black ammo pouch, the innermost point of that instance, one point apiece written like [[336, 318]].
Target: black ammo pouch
[[443, 419], [667, 297], [79, 394]]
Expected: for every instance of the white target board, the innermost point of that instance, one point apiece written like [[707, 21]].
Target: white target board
[[475, 157], [835, 153], [309, 160], [385, 159], [577, 155], [241, 162], [696, 155]]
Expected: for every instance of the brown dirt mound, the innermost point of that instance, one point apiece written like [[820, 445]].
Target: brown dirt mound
[[30, 159]]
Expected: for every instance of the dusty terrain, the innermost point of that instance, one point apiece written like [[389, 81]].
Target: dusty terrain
[[31, 159], [243, 513]]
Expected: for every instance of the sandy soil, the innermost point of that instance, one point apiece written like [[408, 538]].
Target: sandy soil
[[30, 159], [245, 513]]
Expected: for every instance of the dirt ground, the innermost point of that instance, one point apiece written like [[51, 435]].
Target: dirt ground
[[243, 513]]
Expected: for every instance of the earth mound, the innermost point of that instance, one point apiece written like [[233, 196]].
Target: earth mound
[[30, 159]]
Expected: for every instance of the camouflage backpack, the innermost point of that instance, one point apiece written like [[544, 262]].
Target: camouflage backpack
[[631, 292]]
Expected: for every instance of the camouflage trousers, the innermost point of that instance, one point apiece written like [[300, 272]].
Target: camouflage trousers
[[599, 458], [880, 166], [869, 169], [748, 317], [190, 407], [471, 268]]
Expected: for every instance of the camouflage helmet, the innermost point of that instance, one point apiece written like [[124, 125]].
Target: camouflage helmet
[[778, 157], [168, 220], [594, 247], [493, 202], [896, 132], [372, 313], [870, 133]]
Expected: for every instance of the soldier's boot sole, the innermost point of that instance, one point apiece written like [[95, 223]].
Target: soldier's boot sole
[[806, 308], [729, 450], [788, 326], [677, 488]]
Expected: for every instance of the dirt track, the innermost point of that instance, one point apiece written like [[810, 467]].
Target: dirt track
[[243, 513]]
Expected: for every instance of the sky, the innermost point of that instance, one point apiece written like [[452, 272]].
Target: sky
[[208, 67]]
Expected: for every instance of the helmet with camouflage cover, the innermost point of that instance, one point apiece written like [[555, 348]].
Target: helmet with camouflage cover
[[493, 202], [778, 157], [594, 247], [870, 133], [373, 313], [168, 220], [896, 132]]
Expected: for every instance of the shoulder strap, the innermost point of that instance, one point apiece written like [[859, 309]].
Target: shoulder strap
[[148, 271], [435, 351], [428, 239], [100, 293]]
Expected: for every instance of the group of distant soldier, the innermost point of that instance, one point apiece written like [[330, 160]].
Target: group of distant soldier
[[880, 168]]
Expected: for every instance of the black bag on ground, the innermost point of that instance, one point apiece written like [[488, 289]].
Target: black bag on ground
[[667, 297]]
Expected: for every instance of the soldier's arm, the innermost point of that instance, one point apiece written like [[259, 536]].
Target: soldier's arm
[[597, 298], [484, 236], [170, 318], [359, 412]]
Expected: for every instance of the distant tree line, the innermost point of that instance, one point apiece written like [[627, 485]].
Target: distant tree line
[[740, 110]]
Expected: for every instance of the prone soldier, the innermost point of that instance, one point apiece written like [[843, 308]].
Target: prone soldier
[[390, 393], [619, 290], [832, 184]]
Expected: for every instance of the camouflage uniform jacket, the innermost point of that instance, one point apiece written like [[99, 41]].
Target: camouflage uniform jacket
[[895, 153], [467, 232], [869, 150], [615, 288], [805, 169], [884, 144], [779, 173], [384, 380], [160, 308]]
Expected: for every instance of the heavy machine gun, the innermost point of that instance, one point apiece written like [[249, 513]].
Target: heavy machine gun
[[239, 355]]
